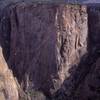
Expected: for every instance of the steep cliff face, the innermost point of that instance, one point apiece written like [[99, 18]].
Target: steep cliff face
[[49, 48], [94, 29], [89, 88], [46, 41], [33, 28], [71, 42]]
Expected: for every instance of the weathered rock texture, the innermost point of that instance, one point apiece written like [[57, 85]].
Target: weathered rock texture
[[8, 86], [89, 88], [71, 41], [41, 56], [50, 49], [86, 78], [46, 43]]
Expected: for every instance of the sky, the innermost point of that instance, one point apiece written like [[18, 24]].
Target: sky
[[72, 1], [85, 1], [91, 1]]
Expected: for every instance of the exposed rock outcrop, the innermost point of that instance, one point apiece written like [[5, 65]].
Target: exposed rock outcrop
[[50, 49], [8, 86], [46, 41], [89, 88], [72, 42]]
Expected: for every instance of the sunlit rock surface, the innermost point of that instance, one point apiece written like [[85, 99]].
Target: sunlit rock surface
[[8, 86]]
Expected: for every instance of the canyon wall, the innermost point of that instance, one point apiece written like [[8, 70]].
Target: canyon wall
[[89, 88], [52, 48], [46, 41]]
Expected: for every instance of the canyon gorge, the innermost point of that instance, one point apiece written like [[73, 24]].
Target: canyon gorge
[[49, 51]]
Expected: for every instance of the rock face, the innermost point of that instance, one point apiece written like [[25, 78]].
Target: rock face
[[49, 48], [94, 29], [45, 43], [71, 43], [89, 88], [34, 57], [8, 86]]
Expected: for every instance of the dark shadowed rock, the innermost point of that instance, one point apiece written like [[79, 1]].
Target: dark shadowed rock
[[89, 89], [51, 51], [46, 43], [94, 29]]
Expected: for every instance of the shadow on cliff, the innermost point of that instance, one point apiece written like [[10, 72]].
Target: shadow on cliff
[[5, 28], [78, 75], [5, 42], [84, 66]]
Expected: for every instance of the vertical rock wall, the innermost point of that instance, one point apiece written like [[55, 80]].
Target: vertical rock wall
[[49, 48], [33, 39], [72, 33], [71, 45], [46, 43], [94, 29], [89, 88]]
